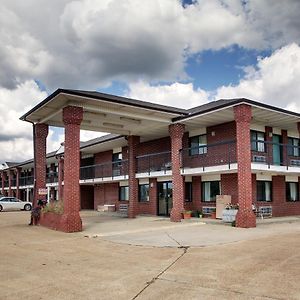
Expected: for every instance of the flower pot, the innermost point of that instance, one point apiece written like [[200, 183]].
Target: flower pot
[[186, 215], [213, 215]]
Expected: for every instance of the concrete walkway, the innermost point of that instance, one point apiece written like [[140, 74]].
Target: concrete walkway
[[160, 232]]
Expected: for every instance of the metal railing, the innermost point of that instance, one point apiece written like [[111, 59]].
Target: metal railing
[[109, 169], [52, 177], [6, 183], [222, 153], [26, 180], [154, 162], [275, 154]]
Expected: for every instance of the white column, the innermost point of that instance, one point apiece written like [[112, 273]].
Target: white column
[[48, 194], [27, 195]]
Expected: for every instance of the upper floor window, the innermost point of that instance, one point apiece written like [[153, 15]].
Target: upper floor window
[[292, 191], [264, 191], [257, 141], [197, 144], [210, 189], [293, 149]]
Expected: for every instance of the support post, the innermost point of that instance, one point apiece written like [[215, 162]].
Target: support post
[[245, 217]]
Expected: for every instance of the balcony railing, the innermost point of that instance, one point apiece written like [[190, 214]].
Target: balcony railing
[[27, 180], [275, 154], [6, 183], [14, 182], [110, 169], [52, 177], [223, 153], [154, 162]]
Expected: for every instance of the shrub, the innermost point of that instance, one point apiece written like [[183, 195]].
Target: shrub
[[56, 207]]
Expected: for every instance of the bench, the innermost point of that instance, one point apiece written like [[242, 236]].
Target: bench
[[123, 209], [264, 212]]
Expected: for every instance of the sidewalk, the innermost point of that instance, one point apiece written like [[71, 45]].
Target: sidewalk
[[160, 232]]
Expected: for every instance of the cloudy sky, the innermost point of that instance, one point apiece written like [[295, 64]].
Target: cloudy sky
[[179, 53]]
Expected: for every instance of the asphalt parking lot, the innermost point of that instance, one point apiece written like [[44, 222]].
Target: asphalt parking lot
[[101, 263]]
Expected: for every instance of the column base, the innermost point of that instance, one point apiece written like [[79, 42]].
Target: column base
[[245, 219], [131, 215], [71, 222], [175, 216]]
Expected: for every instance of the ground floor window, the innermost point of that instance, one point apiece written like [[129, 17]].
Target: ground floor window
[[292, 191], [264, 191], [188, 192], [144, 192], [210, 189], [124, 193]]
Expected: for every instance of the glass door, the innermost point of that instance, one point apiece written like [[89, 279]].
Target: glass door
[[165, 198]]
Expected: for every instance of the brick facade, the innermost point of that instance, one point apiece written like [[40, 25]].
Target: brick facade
[[176, 133], [245, 216]]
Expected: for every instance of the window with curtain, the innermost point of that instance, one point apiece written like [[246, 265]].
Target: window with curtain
[[197, 144], [257, 141], [293, 147], [292, 191], [143, 192], [210, 189], [124, 193], [264, 191]]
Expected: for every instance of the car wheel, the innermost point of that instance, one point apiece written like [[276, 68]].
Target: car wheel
[[27, 207], [1, 208]]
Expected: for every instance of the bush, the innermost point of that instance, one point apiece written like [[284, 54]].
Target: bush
[[56, 207]]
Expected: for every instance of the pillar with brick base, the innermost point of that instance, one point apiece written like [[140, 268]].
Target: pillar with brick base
[[41, 132], [3, 178], [245, 217], [176, 133], [133, 143], [18, 183], [71, 221], [60, 177]]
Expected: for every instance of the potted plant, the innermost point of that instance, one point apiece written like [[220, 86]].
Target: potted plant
[[186, 214]]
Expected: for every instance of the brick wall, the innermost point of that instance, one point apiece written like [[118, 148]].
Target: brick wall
[[150, 207], [229, 184], [106, 193], [87, 196]]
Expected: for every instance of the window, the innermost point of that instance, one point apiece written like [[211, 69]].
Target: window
[[188, 191], [292, 191], [144, 192], [197, 144], [293, 149], [257, 141], [116, 158], [210, 189], [124, 193], [264, 191]]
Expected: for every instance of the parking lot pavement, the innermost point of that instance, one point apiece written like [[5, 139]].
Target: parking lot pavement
[[37, 263]]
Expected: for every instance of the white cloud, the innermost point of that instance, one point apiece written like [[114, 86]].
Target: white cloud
[[176, 94], [89, 43], [275, 80]]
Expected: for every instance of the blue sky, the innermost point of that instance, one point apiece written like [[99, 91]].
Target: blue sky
[[170, 52]]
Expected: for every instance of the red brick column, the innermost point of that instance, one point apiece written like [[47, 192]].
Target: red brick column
[[176, 133], [41, 132], [269, 147], [60, 178], [245, 216], [153, 196], [71, 221], [133, 142], [18, 183], [10, 178], [285, 141]]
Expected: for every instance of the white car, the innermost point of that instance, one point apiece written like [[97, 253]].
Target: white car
[[12, 203]]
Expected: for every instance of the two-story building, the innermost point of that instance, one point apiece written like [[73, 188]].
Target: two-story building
[[161, 160]]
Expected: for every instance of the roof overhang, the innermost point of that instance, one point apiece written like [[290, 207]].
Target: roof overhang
[[103, 114]]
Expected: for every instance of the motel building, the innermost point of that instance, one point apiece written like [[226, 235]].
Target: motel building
[[159, 160]]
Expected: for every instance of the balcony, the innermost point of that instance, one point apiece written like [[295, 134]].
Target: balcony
[[155, 162], [272, 155], [203, 158], [111, 170], [6, 183], [26, 180]]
